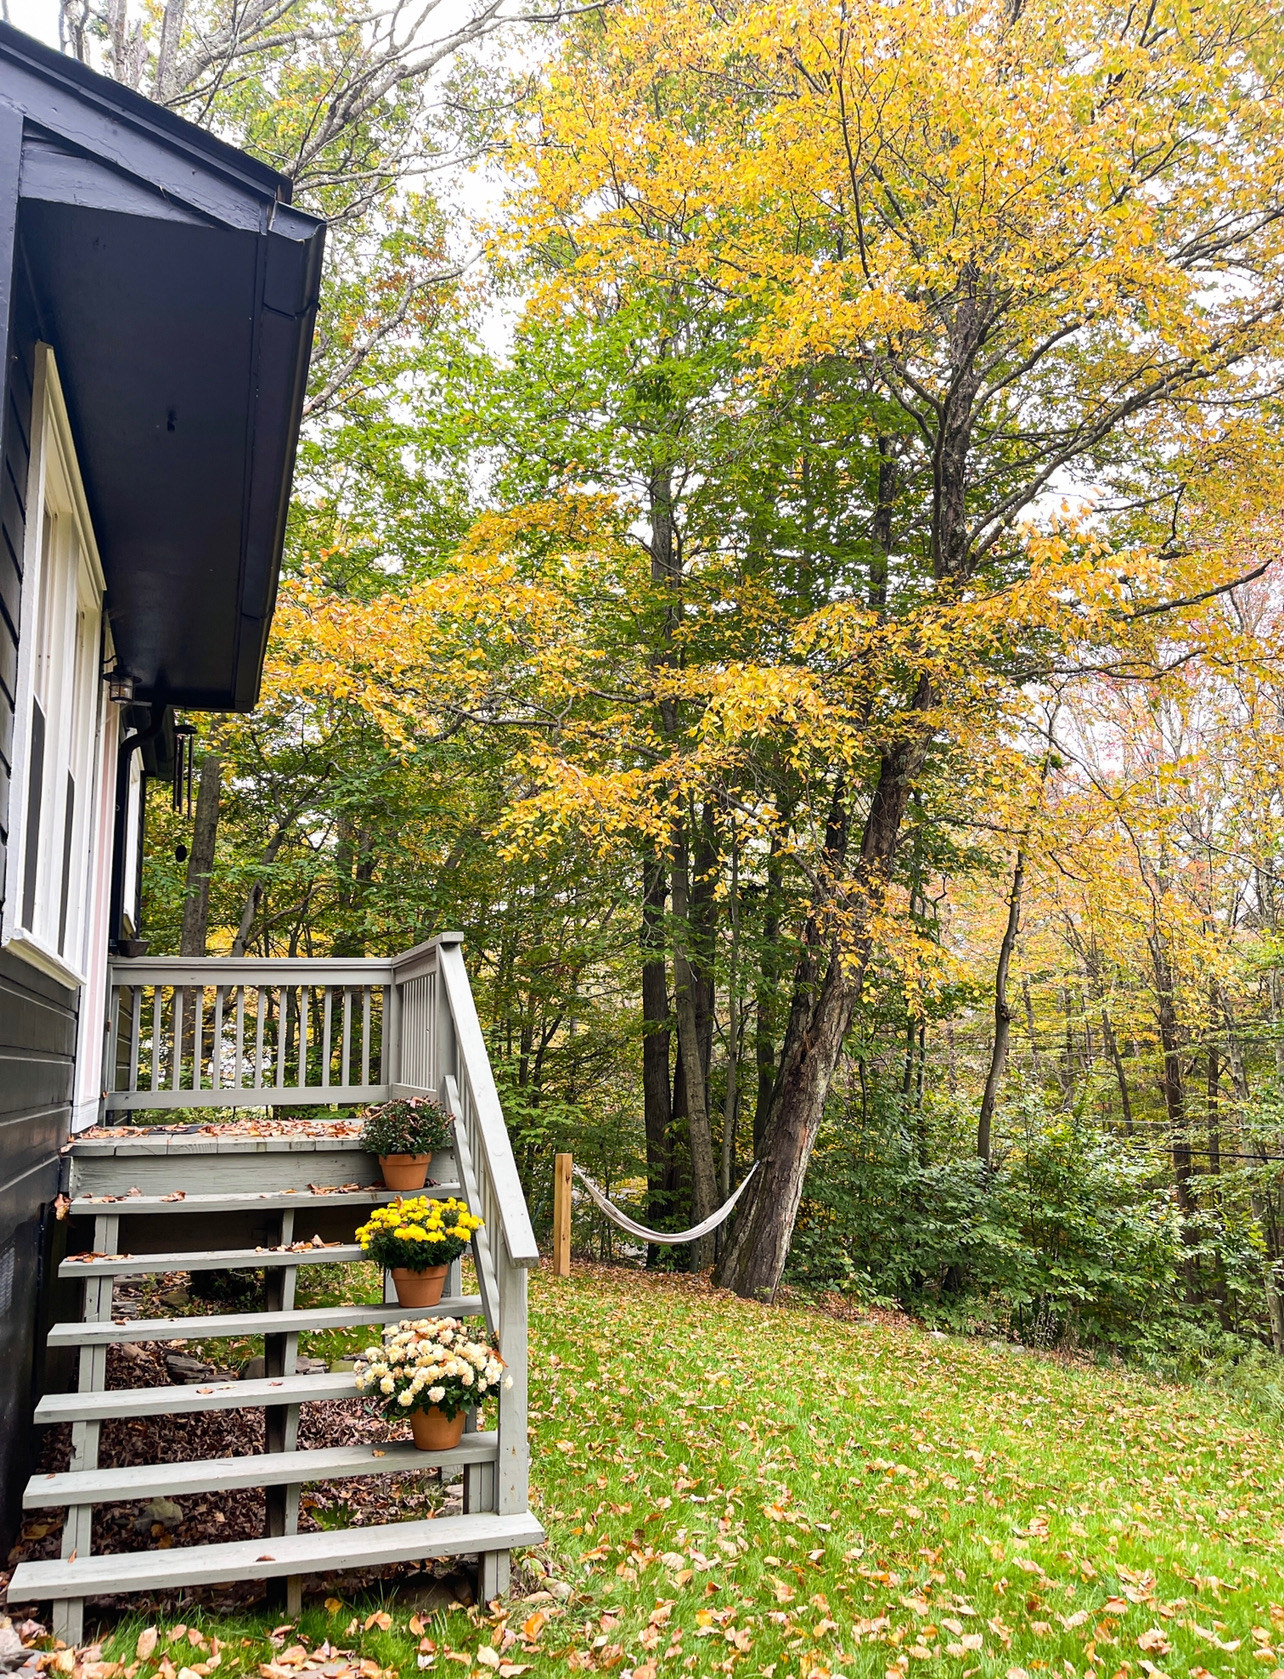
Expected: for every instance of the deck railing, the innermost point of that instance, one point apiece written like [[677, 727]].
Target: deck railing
[[224, 1032], [237, 1032]]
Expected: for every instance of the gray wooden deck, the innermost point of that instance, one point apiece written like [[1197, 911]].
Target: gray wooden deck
[[188, 1036]]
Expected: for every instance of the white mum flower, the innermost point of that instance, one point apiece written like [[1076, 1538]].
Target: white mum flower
[[436, 1395], [508, 1381], [466, 1377], [406, 1398], [387, 1385]]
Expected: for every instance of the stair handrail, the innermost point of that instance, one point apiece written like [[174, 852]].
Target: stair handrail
[[477, 1084]]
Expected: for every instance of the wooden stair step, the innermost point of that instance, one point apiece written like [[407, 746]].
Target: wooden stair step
[[210, 1259], [233, 1324], [263, 1559], [223, 1474], [274, 1200], [202, 1396]]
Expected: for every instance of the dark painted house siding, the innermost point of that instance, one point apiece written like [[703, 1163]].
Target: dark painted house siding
[[37, 1016]]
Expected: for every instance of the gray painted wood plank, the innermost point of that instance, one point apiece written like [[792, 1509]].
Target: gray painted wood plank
[[254, 1323], [282, 1096], [222, 1474], [269, 1200], [262, 1559], [215, 1259], [206, 1396]]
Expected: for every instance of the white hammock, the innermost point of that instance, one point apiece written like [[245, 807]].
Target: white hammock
[[663, 1236]]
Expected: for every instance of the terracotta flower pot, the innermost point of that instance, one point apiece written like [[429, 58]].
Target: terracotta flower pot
[[434, 1431], [419, 1288], [404, 1171]]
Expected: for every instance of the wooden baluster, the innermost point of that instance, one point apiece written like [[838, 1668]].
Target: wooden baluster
[[198, 1034], [345, 1064], [135, 1033], [261, 1008], [216, 1043], [326, 1013], [282, 1030], [365, 1034], [239, 1078], [176, 1081]]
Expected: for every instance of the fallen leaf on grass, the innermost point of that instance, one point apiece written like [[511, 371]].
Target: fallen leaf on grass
[[1209, 1637], [333, 1605], [1154, 1638], [146, 1644], [380, 1618], [487, 1656]]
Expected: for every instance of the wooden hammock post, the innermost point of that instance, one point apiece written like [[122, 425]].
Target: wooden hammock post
[[562, 1215]]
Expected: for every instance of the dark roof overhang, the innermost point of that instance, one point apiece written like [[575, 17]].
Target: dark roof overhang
[[178, 289]]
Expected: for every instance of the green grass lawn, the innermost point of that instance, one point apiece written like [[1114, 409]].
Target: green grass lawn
[[739, 1489]]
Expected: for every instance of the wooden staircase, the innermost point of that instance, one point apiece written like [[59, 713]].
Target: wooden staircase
[[201, 1199]]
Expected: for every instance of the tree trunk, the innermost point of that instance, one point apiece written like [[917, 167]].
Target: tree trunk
[[1214, 1087], [354, 863], [1035, 1062], [731, 1094], [1264, 1211], [1121, 1075], [1171, 1076], [200, 865], [656, 1103], [1002, 1012], [766, 1001], [255, 895], [704, 1182], [827, 983]]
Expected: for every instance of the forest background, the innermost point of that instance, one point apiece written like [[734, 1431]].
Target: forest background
[[784, 558]]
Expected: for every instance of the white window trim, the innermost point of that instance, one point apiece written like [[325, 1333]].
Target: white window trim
[[51, 434]]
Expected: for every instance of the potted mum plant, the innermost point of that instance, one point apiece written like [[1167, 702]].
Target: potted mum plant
[[432, 1372], [416, 1240], [405, 1133]]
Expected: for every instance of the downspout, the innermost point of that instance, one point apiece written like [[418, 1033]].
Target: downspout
[[128, 747]]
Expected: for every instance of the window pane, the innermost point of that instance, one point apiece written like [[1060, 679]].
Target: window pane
[[35, 797], [68, 835]]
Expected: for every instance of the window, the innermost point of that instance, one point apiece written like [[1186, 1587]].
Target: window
[[57, 824]]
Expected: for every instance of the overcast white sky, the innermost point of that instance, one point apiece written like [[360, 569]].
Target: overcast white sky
[[37, 17]]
